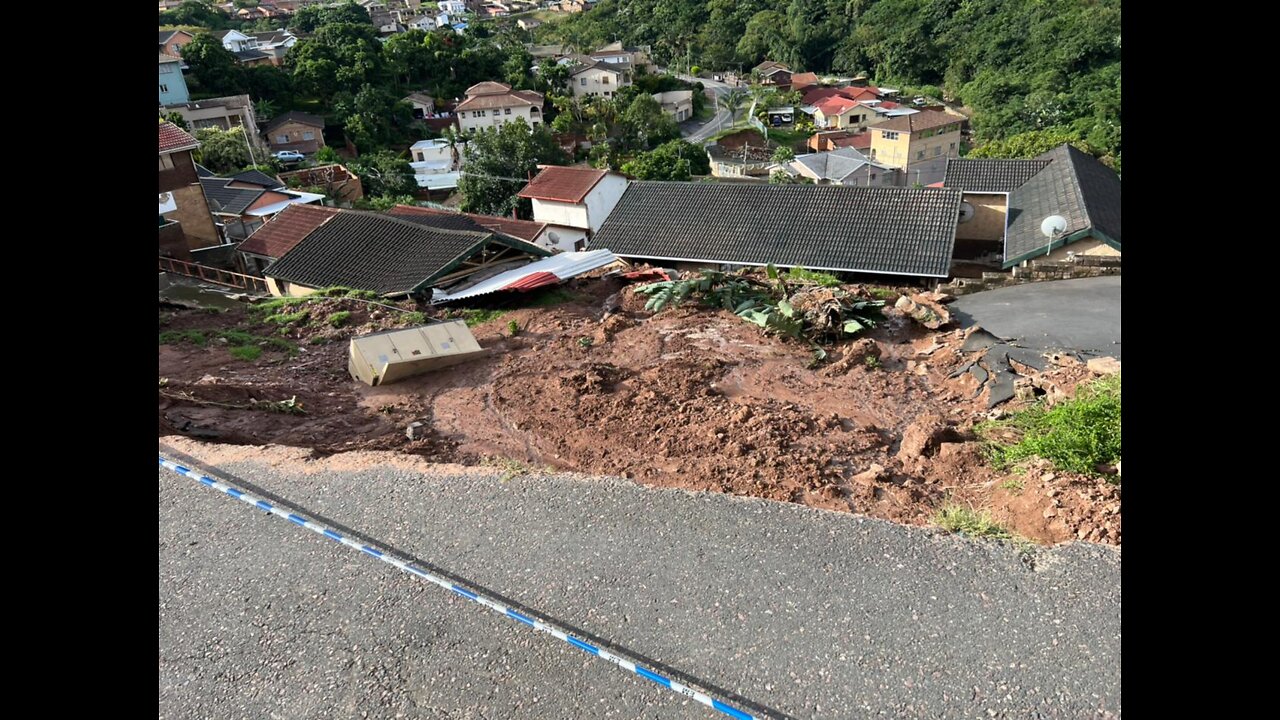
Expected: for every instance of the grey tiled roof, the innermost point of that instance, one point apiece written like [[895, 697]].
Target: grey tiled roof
[[388, 255], [257, 177], [835, 165], [901, 231], [987, 175], [1074, 185], [227, 200], [250, 55], [295, 116]]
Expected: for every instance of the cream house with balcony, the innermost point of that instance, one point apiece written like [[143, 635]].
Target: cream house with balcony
[[491, 104]]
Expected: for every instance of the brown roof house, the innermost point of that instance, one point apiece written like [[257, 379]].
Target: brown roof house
[[295, 130], [185, 222], [279, 235], [394, 256], [490, 104], [918, 144], [773, 74], [1006, 203], [573, 201]]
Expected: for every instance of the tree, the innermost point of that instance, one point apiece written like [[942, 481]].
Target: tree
[[782, 177], [732, 102], [645, 125], [177, 119], [309, 18], [784, 154], [222, 151], [213, 66], [327, 155], [1030, 144], [373, 117], [384, 173], [766, 36], [382, 203], [193, 12], [674, 160], [552, 76], [515, 69], [499, 162], [268, 83]]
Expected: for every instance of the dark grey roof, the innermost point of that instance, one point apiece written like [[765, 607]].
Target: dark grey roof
[[257, 177], [388, 255], [295, 116], [165, 35], [227, 200], [204, 172], [901, 231], [987, 175], [250, 55], [1074, 185], [452, 221]]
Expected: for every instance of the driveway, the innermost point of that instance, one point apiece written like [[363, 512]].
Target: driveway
[[1081, 315], [784, 610]]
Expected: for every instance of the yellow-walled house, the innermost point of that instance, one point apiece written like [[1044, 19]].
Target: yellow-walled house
[[923, 141]]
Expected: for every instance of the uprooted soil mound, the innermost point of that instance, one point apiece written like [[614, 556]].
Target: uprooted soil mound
[[690, 398]]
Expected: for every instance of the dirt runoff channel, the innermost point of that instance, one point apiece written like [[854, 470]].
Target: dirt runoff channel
[[690, 398]]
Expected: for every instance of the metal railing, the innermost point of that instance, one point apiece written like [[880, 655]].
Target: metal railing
[[213, 275]]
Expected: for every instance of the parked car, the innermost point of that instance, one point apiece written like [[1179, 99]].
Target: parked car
[[289, 156]]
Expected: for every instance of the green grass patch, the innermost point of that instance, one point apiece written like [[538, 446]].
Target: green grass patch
[[473, 317], [967, 521], [346, 292], [1076, 435], [415, 318], [813, 276], [339, 319], [872, 362], [1013, 485], [247, 352], [883, 293], [288, 318], [178, 337], [276, 306]]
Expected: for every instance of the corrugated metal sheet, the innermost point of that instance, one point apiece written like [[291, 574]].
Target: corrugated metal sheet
[[547, 271]]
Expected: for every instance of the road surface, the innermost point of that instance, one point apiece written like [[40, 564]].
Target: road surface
[[696, 133], [1081, 315], [794, 612]]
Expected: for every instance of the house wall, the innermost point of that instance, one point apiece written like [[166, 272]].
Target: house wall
[[173, 86], [177, 170], [193, 213], [988, 222], [176, 43], [281, 288], [294, 136], [219, 116], [598, 81], [494, 117], [603, 198], [173, 241], [919, 146], [559, 213], [567, 238]]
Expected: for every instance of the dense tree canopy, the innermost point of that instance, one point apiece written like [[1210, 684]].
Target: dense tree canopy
[[384, 173], [499, 162], [674, 160], [222, 151]]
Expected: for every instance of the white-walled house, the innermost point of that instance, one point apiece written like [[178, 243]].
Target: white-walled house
[[598, 78], [574, 201], [676, 103], [436, 166], [457, 7], [490, 104], [236, 41]]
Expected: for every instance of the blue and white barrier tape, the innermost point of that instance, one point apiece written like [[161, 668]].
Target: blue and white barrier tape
[[493, 605]]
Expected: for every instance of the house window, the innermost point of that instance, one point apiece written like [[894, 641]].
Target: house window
[[873, 176], [890, 134], [506, 111], [164, 88], [582, 82], [920, 155], [282, 139], [604, 80], [308, 135]]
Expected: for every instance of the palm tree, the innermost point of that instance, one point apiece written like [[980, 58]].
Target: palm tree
[[731, 101]]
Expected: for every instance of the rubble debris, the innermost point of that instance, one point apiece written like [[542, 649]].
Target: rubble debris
[[1103, 365], [924, 310]]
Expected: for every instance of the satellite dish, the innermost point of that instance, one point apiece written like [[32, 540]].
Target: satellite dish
[[553, 237], [966, 212], [1053, 226]]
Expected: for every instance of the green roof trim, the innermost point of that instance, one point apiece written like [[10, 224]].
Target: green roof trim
[[1050, 247]]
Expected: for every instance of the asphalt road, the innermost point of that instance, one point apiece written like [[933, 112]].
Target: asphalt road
[[803, 613], [1081, 315], [696, 133]]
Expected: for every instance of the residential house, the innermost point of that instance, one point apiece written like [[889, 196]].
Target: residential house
[[173, 86], [801, 81], [594, 77], [339, 184], [1006, 202], [437, 164], [282, 233], [489, 104], [185, 222], [625, 58], [530, 231], [394, 256], [274, 44], [457, 7], [676, 103], [493, 10], [242, 203], [773, 74], [234, 40], [223, 112], [743, 154], [814, 95], [568, 6], [295, 130], [900, 232], [528, 23], [423, 104], [172, 42], [845, 166], [918, 144], [825, 140], [838, 112], [573, 201]]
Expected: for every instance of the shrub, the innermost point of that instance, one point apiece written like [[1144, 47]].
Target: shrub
[[1076, 435]]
